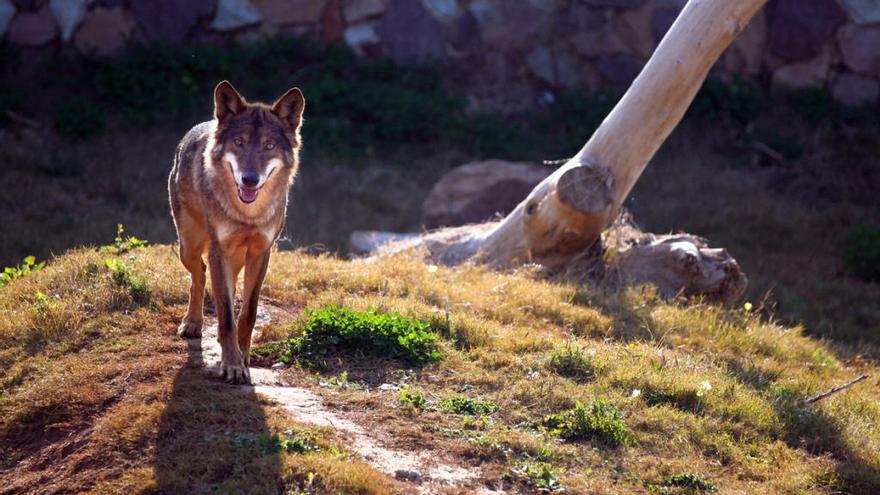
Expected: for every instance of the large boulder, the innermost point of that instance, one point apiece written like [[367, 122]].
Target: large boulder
[[863, 11], [478, 191], [809, 74], [860, 47], [169, 21], [287, 12], [235, 14], [798, 29], [855, 91], [105, 31], [411, 33], [33, 29]]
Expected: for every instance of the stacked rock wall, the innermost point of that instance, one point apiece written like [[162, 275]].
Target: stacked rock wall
[[514, 46]]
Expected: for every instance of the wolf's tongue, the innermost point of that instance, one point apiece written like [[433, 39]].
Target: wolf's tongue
[[247, 194]]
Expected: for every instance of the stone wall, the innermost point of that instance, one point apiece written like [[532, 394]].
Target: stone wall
[[518, 46]]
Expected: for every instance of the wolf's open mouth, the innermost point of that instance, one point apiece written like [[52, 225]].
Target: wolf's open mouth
[[248, 194]]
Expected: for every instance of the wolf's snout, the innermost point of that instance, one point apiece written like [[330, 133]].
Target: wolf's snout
[[250, 179]]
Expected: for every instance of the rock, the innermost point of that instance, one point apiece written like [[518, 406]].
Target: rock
[[855, 91], [332, 25], [235, 14], [617, 4], [7, 12], [514, 26], [797, 30], [475, 192], [68, 14], [746, 54], [104, 32], [860, 47], [408, 475], [385, 387], [358, 10], [810, 74], [33, 29], [284, 12], [863, 11], [411, 33], [279, 366], [634, 27], [444, 11], [170, 21], [619, 69]]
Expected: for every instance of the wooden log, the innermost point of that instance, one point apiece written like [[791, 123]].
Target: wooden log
[[567, 212]]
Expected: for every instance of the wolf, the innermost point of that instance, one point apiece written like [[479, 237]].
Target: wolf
[[228, 190]]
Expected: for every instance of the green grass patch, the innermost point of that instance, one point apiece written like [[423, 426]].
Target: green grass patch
[[596, 421], [571, 362], [467, 406], [125, 278], [370, 333]]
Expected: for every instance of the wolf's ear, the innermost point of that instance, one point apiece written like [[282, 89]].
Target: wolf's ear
[[227, 101], [289, 108]]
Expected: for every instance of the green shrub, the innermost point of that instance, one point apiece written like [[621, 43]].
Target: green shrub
[[386, 335], [125, 278], [467, 406], [599, 420], [690, 480], [571, 362], [862, 252], [28, 266]]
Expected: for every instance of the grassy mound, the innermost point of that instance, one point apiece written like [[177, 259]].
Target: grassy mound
[[643, 395]]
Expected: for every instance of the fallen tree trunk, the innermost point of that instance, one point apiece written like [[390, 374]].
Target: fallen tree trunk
[[567, 212]]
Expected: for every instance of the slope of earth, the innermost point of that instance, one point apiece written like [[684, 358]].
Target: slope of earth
[[540, 385]]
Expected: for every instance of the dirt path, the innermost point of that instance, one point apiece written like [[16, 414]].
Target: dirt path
[[306, 406]]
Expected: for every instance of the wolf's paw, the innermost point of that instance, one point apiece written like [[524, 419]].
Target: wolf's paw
[[236, 374], [190, 329]]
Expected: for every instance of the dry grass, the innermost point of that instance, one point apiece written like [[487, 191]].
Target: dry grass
[[97, 395]]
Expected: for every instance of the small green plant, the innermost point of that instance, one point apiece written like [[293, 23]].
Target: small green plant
[[387, 335], [467, 406], [28, 266], [690, 480], [294, 440], [122, 244], [126, 279], [862, 252], [413, 397], [571, 362], [598, 420], [540, 475]]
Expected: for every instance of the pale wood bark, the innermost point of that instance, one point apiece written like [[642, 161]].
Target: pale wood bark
[[567, 212]]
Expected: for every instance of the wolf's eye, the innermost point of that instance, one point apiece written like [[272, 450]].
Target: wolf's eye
[[270, 146], [238, 141]]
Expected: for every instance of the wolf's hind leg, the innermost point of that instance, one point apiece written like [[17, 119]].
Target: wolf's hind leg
[[193, 239]]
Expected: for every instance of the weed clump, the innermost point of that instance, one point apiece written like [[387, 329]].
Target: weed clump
[[413, 397], [467, 406], [598, 420], [690, 480], [384, 335], [126, 279], [122, 244], [541, 476], [571, 362]]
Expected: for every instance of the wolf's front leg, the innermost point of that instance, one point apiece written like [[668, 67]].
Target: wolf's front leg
[[232, 367], [255, 268]]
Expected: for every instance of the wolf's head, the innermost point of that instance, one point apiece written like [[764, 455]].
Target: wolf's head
[[256, 146]]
